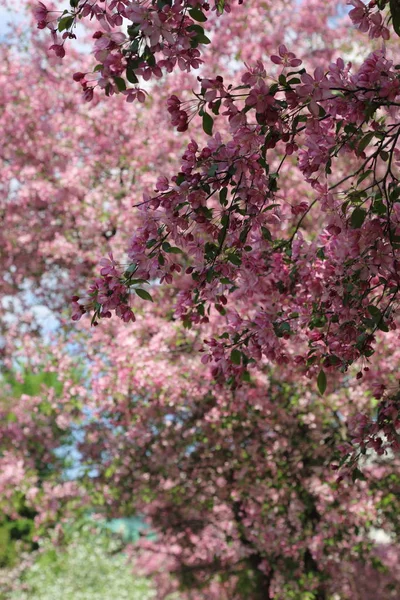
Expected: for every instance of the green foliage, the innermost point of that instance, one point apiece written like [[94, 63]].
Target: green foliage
[[236, 357], [208, 123], [358, 217], [395, 13], [143, 294], [65, 23], [91, 567], [16, 532], [7, 547], [197, 15], [16, 535], [32, 383], [321, 382]]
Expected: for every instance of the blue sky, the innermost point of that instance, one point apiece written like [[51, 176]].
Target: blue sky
[[7, 17]]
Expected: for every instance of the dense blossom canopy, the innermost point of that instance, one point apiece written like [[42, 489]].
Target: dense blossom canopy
[[227, 225], [246, 401]]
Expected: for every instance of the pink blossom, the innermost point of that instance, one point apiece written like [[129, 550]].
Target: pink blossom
[[259, 97], [316, 88], [285, 58]]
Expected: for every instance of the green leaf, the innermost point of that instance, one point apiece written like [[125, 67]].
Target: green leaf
[[243, 235], [196, 28], [180, 178], [358, 217], [216, 106], [212, 171], [171, 249], [395, 193], [357, 474], [374, 312], [266, 234], [378, 208], [131, 76], [210, 250], [281, 329], [197, 15], [365, 141], [236, 357], [220, 6], [225, 220], [138, 281], [333, 360], [149, 57], [364, 175], [203, 39], [246, 376], [321, 382], [270, 207], [208, 123], [131, 269], [210, 275], [235, 259], [395, 12], [143, 294], [65, 23], [384, 155], [350, 128], [120, 83], [223, 195]]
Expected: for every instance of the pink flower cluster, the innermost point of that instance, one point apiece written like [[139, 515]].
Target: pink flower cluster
[[107, 293], [160, 37], [223, 212], [368, 18], [381, 434]]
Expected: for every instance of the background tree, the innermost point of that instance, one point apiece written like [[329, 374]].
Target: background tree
[[205, 415]]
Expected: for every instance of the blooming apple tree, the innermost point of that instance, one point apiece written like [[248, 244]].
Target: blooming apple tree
[[234, 414], [307, 276], [236, 483]]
